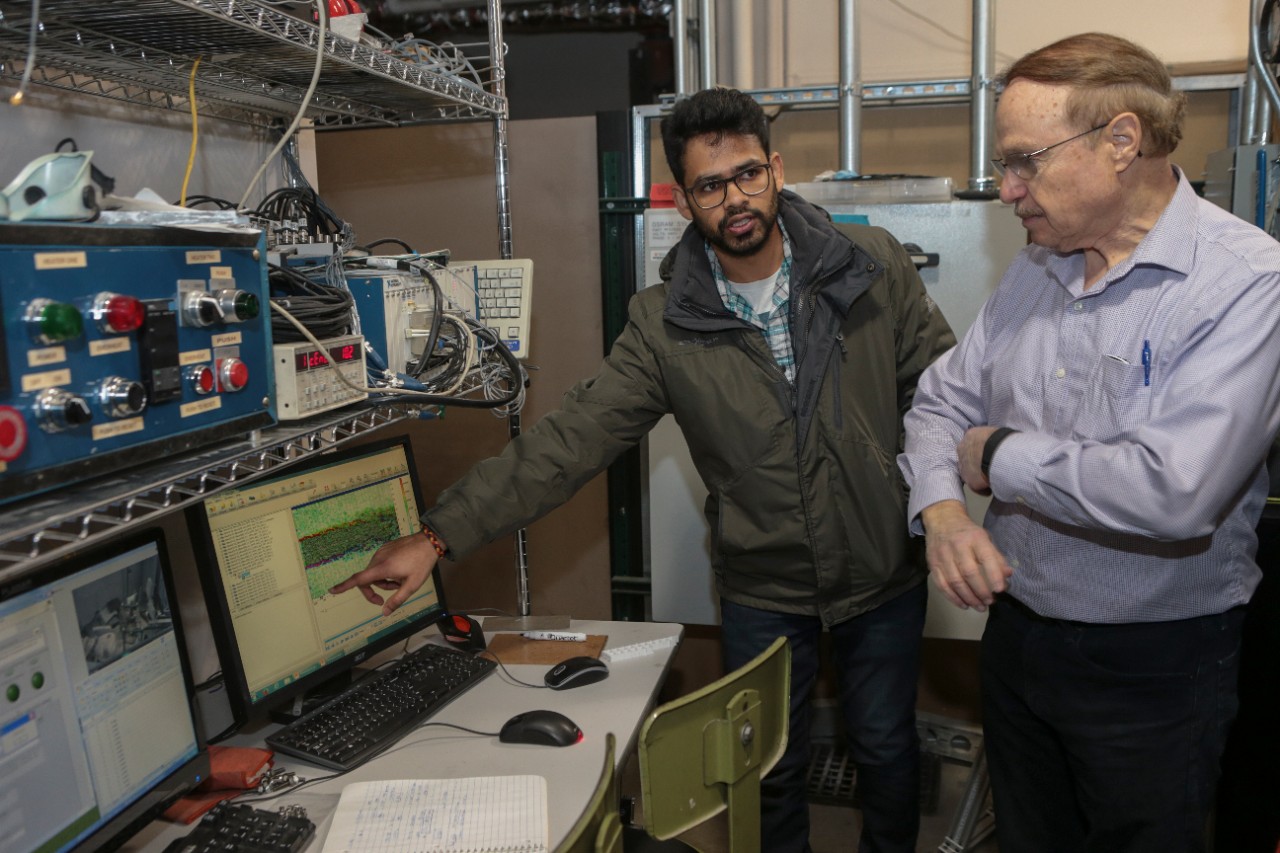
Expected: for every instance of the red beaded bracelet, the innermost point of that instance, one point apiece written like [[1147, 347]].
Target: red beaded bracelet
[[434, 540]]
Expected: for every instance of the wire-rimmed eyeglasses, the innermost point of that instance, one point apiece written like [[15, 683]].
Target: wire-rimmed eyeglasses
[[1026, 166], [711, 193]]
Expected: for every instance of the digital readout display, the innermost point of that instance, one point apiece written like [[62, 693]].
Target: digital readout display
[[338, 355]]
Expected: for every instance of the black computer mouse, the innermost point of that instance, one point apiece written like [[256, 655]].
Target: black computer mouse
[[545, 728], [575, 672]]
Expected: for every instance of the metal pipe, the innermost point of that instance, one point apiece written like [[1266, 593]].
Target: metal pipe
[[850, 89], [1255, 55], [982, 98], [498, 87], [680, 42], [707, 43], [744, 53], [1248, 117], [497, 61]]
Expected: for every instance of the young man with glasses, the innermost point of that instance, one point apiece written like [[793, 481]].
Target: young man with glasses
[[1117, 397], [788, 350]]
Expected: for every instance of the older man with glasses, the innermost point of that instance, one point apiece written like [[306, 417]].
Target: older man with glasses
[[787, 348], [1116, 397]]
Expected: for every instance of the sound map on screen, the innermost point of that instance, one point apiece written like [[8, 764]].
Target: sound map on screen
[[97, 734], [270, 550]]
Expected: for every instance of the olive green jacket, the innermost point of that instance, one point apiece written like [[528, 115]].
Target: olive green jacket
[[806, 505]]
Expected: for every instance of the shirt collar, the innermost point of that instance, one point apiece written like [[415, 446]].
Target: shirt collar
[[1167, 244]]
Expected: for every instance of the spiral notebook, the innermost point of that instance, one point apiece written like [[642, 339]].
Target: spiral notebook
[[483, 814]]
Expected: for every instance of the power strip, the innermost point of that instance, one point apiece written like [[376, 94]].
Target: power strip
[[637, 650]]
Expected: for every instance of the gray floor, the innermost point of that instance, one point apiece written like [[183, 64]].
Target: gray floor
[[834, 828]]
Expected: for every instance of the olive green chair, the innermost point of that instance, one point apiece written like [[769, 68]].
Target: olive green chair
[[599, 830], [705, 753]]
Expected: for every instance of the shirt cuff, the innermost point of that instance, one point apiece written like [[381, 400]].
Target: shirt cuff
[[1015, 479], [942, 486]]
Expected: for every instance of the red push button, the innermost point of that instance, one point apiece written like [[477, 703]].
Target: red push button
[[202, 379], [233, 373], [118, 314], [13, 434]]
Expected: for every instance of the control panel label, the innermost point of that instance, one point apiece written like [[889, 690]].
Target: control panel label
[[107, 346], [221, 273], [195, 356], [46, 356], [115, 428], [61, 260], [199, 407], [228, 339], [204, 256], [48, 379]]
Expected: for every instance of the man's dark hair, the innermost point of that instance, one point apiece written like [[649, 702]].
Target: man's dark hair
[[721, 112]]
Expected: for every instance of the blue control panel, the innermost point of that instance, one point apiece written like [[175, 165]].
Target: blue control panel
[[124, 344]]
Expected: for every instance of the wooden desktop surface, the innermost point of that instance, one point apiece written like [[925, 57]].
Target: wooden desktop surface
[[618, 704]]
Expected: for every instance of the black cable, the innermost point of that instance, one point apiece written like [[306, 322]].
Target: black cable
[[437, 311], [221, 203], [376, 243], [294, 203], [325, 310], [508, 674], [513, 365]]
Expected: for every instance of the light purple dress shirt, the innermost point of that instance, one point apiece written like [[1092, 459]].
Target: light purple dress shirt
[[1130, 493]]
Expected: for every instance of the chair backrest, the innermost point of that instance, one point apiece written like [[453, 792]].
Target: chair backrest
[[599, 829], [705, 752]]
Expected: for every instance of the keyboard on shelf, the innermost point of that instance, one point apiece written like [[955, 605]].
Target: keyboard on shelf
[[504, 290], [228, 828], [381, 708]]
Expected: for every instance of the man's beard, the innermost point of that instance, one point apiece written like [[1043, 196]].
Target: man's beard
[[748, 245]]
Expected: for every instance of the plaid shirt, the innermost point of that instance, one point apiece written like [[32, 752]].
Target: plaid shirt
[[775, 324]]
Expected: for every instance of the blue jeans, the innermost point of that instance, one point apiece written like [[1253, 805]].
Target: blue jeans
[[1105, 738], [877, 657]]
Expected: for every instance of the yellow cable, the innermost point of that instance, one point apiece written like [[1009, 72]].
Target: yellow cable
[[195, 133]]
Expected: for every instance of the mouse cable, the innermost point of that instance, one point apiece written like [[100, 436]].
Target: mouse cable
[[508, 674], [459, 728]]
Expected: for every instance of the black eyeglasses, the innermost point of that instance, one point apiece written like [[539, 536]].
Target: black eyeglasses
[[1026, 166], [711, 193]]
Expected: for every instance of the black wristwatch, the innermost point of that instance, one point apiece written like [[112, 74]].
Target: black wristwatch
[[989, 449]]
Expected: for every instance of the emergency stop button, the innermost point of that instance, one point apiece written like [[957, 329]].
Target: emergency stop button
[[13, 434]]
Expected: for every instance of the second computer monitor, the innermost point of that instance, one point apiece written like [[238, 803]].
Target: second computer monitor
[[97, 734], [270, 550]]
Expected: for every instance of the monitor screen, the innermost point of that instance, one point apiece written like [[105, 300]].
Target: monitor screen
[[269, 551], [97, 734]]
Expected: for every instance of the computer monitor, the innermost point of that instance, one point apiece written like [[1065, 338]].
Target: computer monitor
[[269, 551], [97, 734]]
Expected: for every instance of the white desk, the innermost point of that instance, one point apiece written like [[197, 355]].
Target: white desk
[[617, 704]]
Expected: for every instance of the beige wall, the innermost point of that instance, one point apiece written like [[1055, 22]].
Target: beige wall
[[773, 43]]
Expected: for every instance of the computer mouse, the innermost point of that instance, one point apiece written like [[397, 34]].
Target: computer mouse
[[462, 631], [575, 672], [545, 728]]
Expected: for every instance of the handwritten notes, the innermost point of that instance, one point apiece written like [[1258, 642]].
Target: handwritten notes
[[486, 814]]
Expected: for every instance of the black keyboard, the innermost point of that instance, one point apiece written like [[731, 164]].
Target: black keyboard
[[229, 828], [381, 708]]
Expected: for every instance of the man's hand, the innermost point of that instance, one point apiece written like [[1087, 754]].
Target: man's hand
[[970, 453], [962, 558], [402, 564]]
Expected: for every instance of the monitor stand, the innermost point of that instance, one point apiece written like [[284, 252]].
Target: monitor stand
[[306, 702]]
